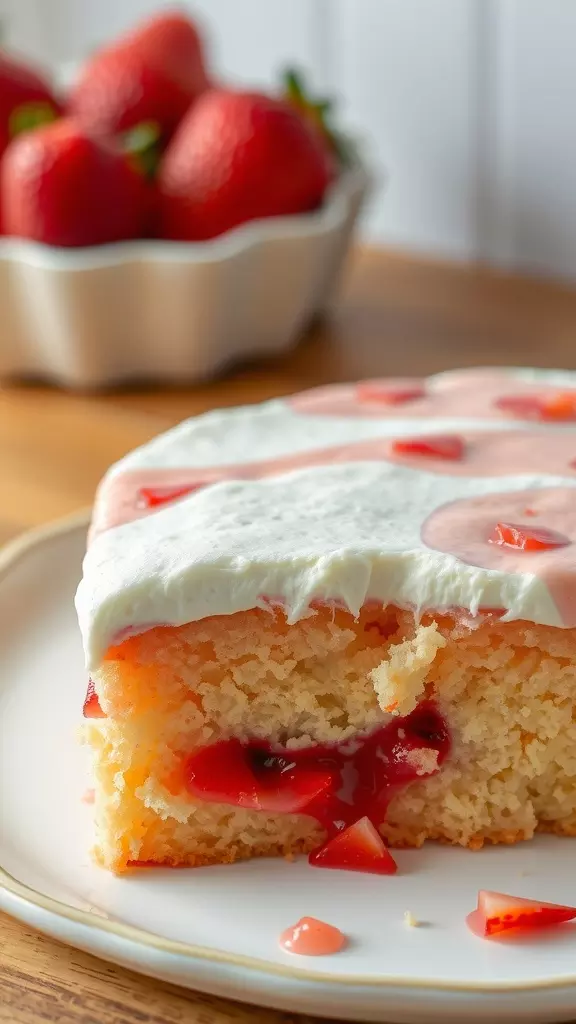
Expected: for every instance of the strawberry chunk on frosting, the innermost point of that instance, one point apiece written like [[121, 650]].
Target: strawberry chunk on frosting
[[558, 406], [527, 538], [439, 446]]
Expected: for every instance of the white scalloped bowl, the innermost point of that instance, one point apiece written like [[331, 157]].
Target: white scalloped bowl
[[171, 311]]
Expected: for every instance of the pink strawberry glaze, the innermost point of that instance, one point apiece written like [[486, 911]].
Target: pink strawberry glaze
[[311, 937], [464, 528], [337, 784], [396, 392], [490, 453], [474, 393]]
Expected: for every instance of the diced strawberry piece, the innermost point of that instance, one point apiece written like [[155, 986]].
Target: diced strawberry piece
[[151, 497], [222, 773], [560, 406], [527, 538], [496, 912], [440, 446], [388, 394], [92, 707], [359, 848]]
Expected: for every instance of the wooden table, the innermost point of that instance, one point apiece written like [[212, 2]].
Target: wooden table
[[395, 316]]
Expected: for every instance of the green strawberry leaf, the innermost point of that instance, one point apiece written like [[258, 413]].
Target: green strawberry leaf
[[30, 115], [318, 111], [144, 144]]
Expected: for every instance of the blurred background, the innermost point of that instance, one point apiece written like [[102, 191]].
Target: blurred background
[[467, 104]]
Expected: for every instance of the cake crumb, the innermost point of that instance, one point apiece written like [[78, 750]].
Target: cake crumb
[[399, 682], [410, 920], [289, 857]]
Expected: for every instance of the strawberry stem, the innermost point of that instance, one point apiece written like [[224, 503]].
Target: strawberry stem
[[30, 115], [143, 144], [317, 111]]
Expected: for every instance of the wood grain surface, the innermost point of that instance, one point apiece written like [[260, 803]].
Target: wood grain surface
[[395, 316]]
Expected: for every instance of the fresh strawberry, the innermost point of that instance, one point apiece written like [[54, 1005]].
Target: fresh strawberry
[[26, 100], [223, 773], [61, 186], [527, 538], [236, 157], [445, 446], [358, 848], [92, 708], [496, 912], [152, 74]]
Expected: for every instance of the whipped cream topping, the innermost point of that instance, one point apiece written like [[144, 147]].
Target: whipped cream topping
[[303, 500]]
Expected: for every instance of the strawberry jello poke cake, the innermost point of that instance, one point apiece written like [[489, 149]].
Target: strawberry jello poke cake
[[357, 604]]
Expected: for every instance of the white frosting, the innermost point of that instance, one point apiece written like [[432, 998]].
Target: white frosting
[[346, 532]]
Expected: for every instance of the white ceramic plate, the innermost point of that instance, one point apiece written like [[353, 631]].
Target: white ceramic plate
[[215, 929]]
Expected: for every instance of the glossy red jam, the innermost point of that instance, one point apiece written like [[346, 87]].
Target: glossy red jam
[[335, 784]]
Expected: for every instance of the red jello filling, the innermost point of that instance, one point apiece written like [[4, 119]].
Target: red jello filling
[[336, 784]]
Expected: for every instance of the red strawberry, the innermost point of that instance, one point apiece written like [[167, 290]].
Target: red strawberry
[[25, 100], [238, 157], [528, 538], [152, 74], [61, 186], [92, 708], [497, 912], [445, 446], [359, 848]]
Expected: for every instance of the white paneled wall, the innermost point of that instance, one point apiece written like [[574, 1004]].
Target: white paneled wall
[[406, 69], [467, 105]]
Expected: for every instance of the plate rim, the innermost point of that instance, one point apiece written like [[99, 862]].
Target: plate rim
[[10, 554]]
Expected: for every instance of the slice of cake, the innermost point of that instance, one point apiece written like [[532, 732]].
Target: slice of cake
[[356, 603]]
